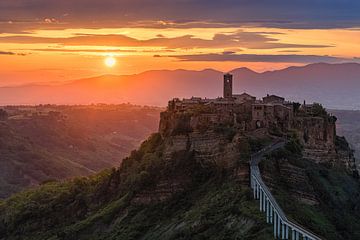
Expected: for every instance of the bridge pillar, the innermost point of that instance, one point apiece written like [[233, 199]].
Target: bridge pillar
[[286, 232], [254, 188], [292, 234], [267, 211], [275, 229], [252, 181], [261, 199], [278, 225], [265, 202]]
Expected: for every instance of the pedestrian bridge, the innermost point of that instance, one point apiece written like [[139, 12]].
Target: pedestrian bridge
[[283, 228]]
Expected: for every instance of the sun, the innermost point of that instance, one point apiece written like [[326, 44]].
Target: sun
[[110, 61]]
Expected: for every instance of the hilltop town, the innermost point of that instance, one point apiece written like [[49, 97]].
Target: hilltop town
[[312, 124]]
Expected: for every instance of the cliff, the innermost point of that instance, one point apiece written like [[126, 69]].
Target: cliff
[[324, 197], [200, 127], [190, 181]]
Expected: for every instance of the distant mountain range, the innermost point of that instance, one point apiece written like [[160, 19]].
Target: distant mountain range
[[334, 85]]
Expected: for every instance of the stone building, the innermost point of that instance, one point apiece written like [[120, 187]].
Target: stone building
[[248, 113], [273, 99], [243, 108]]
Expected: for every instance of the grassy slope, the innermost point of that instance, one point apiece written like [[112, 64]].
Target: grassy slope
[[213, 206]]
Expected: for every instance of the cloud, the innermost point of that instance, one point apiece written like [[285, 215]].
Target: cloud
[[83, 50], [29, 14], [12, 53], [289, 51], [288, 58], [239, 39], [6, 53]]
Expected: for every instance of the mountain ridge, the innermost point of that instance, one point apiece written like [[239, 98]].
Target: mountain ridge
[[319, 82]]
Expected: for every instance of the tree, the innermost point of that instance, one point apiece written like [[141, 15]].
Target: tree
[[319, 110]]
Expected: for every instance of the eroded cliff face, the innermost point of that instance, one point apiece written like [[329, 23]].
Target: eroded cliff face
[[317, 135], [208, 150], [208, 147], [294, 178], [316, 132], [218, 142], [200, 132], [205, 142]]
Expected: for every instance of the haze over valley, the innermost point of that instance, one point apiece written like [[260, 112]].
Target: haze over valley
[[334, 85], [50, 143]]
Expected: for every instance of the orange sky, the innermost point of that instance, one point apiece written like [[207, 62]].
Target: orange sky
[[53, 49]]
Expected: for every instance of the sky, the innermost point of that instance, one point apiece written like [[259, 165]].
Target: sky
[[49, 41]]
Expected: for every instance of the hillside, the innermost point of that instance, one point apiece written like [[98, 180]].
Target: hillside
[[322, 197], [148, 197], [334, 85], [193, 183], [44, 143]]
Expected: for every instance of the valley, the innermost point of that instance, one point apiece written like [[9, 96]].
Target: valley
[[48, 142]]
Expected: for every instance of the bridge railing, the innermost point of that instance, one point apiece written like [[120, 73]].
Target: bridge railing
[[283, 228]]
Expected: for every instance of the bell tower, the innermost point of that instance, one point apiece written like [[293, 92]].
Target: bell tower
[[228, 85]]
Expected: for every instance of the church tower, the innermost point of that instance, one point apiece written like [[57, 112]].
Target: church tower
[[228, 85]]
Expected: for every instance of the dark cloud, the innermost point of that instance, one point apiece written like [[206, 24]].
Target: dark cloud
[[81, 50], [22, 15], [12, 53], [288, 58], [251, 40], [95, 50], [6, 53]]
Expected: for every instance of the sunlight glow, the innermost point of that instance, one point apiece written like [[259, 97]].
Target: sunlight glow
[[110, 61]]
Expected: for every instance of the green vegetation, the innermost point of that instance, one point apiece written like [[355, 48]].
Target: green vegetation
[[212, 204], [336, 215], [157, 194], [319, 110], [42, 143]]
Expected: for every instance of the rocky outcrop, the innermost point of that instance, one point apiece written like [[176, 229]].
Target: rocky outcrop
[[163, 190], [316, 132], [295, 178], [207, 147], [217, 140]]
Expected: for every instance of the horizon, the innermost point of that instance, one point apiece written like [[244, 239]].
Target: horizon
[[67, 81], [317, 82], [53, 41]]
